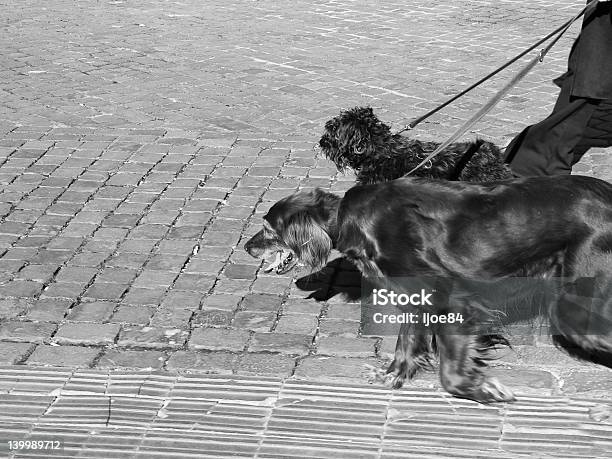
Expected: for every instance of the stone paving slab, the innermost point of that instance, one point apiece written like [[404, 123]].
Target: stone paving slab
[[146, 414]]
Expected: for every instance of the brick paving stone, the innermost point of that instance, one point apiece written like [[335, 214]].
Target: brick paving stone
[[63, 356], [133, 314], [338, 327], [212, 318], [172, 317], [137, 245], [115, 358], [12, 353], [195, 282], [185, 232], [128, 260], [386, 347], [261, 302], [354, 369], [218, 339], [223, 301], [175, 247], [284, 343], [219, 238], [209, 362], [150, 278], [211, 253], [255, 321], [164, 262], [144, 296], [238, 271], [266, 364], [105, 291], [148, 231], [62, 290], [297, 323], [88, 259], [87, 333], [345, 347], [35, 332], [78, 275], [40, 273], [271, 285], [52, 310], [544, 356], [225, 285], [21, 288], [587, 383], [13, 307], [182, 299], [98, 311], [152, 337], [525, 381], [116, 275]]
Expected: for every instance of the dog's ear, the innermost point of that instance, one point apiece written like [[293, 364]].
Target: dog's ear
[[307, 238], [304, 230], [355, 137]]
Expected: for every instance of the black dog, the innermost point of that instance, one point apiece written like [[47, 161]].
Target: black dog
[[359, 140], [544, 227]]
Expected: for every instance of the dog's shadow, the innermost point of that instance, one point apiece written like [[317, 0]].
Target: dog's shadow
[[338, 277]]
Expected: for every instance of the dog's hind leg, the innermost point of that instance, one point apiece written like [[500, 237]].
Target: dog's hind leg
[[413, 352], [581, 318]]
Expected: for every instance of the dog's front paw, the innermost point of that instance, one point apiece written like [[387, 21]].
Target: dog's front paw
[[492, 390], [397, 373], [400, 370]]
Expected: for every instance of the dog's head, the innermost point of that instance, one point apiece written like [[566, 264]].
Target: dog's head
[[297, 229], [352, 136]]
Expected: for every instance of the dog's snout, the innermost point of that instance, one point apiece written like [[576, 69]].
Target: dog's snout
[[252, 247]]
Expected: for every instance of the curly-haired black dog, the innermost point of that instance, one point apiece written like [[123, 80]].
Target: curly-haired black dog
[[357, 139], [541, 227]]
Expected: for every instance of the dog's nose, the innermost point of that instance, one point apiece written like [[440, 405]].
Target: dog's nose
[[250, 249]]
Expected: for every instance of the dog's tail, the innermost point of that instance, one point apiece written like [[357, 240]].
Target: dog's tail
[[465, 159]]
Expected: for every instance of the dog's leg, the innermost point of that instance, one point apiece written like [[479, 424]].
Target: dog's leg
[[412, 353], [581, 318], [461, 369]]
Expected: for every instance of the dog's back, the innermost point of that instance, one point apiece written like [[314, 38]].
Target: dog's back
[[514, 227]]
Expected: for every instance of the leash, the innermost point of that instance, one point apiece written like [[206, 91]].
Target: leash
[[499, 95]]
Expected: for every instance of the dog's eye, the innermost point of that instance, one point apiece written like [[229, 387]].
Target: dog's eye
[[269, 233]]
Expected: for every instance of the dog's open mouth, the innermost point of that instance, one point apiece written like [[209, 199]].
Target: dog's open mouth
[[284, 261]]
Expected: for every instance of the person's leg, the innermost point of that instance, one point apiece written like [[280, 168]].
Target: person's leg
[[547, 148], [598, 132]]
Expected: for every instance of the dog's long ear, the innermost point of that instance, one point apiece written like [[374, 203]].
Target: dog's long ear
[[354, 137], [307, 238]]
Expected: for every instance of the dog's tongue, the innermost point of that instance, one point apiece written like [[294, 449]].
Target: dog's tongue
[[279, 259]]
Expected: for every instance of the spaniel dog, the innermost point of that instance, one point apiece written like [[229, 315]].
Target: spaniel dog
[[357, 139], [542, 227]]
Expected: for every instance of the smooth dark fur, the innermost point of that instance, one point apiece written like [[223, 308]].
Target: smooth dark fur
[[540, 227], [357, 139]]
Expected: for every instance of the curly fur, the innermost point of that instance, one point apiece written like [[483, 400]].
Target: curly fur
[[357, 139]]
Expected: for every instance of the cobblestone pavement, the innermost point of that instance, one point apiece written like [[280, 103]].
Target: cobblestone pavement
[[141, 142]]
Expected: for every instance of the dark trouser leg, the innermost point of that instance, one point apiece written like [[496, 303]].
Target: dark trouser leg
[[547, 148]]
